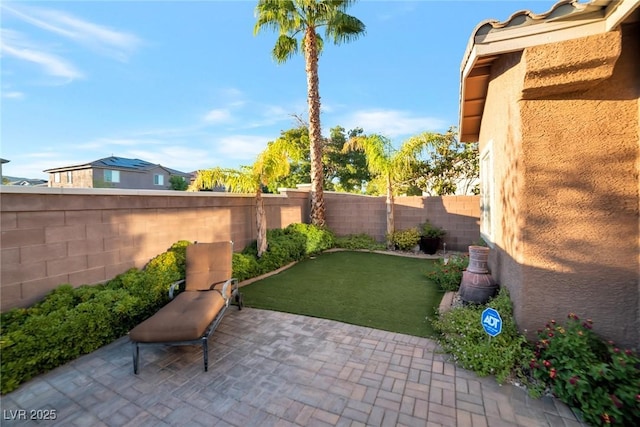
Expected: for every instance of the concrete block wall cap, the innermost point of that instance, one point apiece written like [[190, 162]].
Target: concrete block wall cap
[[9, 189]]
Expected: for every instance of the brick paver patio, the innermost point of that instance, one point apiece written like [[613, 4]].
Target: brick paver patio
[[277, 369]]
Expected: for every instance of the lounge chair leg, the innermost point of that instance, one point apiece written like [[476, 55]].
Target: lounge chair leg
[[136, 357], [205, 352], [239, 300]]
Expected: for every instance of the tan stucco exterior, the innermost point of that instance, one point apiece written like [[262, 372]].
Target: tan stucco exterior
[[562, 123], [501, 134]]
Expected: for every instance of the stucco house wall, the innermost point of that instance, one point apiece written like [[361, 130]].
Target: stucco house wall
[[580, 140], [562, 121], [500, 137]]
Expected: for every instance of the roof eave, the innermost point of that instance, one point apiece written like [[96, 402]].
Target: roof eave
[[507, 40]]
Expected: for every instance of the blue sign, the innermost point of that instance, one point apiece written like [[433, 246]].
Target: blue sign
[[491, 322]]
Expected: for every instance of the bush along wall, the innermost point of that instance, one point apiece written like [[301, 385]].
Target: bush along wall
[[286, 245], [70, 322], [449, 275], [462, 336]]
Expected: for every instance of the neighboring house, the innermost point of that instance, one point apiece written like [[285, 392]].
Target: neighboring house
[[27, 182], [553, 100], [115, 172]]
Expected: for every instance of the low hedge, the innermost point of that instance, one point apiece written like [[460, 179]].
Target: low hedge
[[284, 246], [71, 322]]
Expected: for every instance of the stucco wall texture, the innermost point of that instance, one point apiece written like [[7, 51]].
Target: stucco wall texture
[[501, 134], [83, 236], [567, 173]]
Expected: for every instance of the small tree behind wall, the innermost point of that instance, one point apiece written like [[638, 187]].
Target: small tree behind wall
[[272, 163], [391, 164]]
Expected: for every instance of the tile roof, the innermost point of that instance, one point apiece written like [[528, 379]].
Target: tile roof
[[118, 163], [563, 10], [491, 38], [121, 162]]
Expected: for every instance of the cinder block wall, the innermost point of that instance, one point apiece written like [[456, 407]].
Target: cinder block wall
[[52, 236], [354, 214]]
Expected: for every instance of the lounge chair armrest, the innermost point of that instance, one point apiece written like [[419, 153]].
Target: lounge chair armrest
[[173, 288], [224, 290]]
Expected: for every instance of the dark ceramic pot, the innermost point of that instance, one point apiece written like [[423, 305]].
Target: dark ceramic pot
[[477, 288], [429, 245]]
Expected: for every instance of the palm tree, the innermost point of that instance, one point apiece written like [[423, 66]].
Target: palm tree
[[271, 164], [293, 18], [391, 164]]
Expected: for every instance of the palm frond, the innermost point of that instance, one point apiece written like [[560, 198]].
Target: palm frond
[[344, 28], [234, 180], [286, 46], [290, 18], [377, 150], [274, 14]]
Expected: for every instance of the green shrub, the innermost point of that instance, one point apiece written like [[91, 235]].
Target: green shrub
[[429, 230], [70, 322], [318, 239], [284, 246], [598, 378], [359, 241], [245, 266], [448, 276], [461, 335], [405, 240]]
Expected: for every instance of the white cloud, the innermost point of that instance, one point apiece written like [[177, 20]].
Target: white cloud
[[274, 111], [116, 44], [182, 158], [240, 147], [13, 94], [392, 123], [107, 144], [397, 12], [32, 165], [231, 93], [13, 44], [177, 132], [326, 108], [217, 116]]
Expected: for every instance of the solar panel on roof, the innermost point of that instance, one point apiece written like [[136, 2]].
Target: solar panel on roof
[[125, 163]]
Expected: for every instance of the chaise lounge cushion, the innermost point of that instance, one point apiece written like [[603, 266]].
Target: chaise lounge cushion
[[203, 270], [185, 318]]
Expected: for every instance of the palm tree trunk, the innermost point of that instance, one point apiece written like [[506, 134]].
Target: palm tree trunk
[[390, 212], [261, 223], [315, 132]]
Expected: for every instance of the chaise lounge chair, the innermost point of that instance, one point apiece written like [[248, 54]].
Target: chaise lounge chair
[[192, 316]]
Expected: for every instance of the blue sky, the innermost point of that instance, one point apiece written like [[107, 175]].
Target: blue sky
[[188, 85]]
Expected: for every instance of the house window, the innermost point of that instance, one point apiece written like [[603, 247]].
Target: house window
[[111, 176], [69, 177], [158, 179], [487, 191], [56, 177]]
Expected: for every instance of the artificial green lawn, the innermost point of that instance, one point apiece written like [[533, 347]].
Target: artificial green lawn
[[385, 292]]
